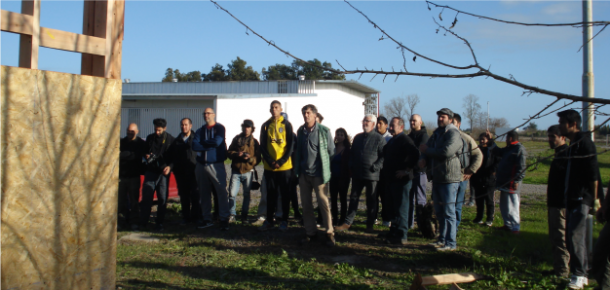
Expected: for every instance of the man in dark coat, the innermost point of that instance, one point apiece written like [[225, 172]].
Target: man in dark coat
[[399, 158], [130, 169], [156, 178], [183, 162], [366, 162], [419, 135]]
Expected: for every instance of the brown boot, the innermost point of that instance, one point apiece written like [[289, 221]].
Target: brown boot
[[342, 228], [330, 240]]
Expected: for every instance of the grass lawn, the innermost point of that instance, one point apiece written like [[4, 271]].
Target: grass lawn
[[244, 258], [540, 173]]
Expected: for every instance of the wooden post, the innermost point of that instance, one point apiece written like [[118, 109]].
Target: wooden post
[[28, 44], [104, 19]]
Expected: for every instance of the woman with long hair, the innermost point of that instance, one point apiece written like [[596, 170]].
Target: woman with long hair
[[340, 175]]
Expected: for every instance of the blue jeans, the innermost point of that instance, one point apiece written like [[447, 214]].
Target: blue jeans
[[245, 179], [444, 196], [400, 196], [459, 201]]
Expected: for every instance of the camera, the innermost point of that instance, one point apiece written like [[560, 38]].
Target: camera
[[151, 159]]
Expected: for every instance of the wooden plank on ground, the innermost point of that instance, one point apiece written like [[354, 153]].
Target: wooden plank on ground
[[450, 279]]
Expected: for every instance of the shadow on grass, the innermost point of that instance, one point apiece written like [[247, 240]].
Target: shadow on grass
[[232, 276]]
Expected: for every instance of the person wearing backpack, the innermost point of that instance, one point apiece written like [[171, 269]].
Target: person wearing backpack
[[440, 155], [510, 173], [471, 159]]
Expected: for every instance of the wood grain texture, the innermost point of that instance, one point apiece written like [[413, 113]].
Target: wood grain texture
[[60, 153]]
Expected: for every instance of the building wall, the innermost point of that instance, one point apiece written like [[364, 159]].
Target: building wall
[[339, 108], [60, 158], [143, 112]]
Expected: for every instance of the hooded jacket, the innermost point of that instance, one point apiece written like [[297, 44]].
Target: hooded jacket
[[441, 156], [210, 144], [511, 169], [366, 158]]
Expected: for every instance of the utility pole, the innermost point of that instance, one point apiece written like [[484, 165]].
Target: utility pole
[[588, 88], [589, 93]]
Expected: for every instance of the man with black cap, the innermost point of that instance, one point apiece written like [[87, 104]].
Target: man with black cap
[[440, 153], [244, 152]]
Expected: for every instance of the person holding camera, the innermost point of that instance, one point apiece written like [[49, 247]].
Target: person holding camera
[[244, 152], [156, 177], [130, 168]]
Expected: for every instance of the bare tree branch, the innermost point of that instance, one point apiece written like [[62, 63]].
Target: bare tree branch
[[594, 36], [482, 71], [404, 47], [573, 24]]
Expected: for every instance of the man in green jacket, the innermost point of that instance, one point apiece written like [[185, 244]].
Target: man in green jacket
[[315, 146]]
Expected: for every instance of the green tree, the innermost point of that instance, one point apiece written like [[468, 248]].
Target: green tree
[[169, 75], [217, 73], [315, 73], [238, 71], [279, 72]]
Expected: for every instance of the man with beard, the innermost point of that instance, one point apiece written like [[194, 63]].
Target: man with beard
[[441, 154]]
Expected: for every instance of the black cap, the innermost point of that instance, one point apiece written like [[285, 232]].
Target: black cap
[[445, 111], [248, 123]]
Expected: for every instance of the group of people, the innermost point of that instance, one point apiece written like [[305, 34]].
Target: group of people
[[384, 161]]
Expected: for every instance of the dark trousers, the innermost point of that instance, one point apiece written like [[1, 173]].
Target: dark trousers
[[418, 194], [386, 201], [576, 239], [189, 194], [129, 194], [600, 265], [400, 193], [484, 198], [278, 184], [371, 201], [294, 197], [154, 182], [338, 192]]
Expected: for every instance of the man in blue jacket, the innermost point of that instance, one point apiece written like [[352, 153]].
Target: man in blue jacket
[[209, 143]]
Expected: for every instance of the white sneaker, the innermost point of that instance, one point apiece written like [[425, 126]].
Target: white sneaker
[[387, 224], [445, 249], [578, 282]]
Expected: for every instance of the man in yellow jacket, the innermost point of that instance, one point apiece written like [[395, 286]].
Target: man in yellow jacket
[[276, 141]]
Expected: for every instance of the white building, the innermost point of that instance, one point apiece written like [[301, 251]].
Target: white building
[[342, 103]]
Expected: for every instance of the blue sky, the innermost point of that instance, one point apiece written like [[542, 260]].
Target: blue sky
[[194, 35]]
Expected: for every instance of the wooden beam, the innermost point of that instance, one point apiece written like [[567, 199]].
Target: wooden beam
[[53, 38], [94, 24], [69, 41], [114, 39], [16, 22], [28, 44]]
